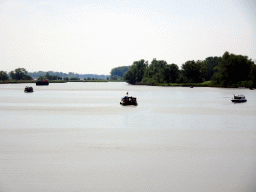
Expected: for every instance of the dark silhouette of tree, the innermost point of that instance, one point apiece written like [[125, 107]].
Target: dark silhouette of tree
[[233, 69], [136, 72], [119, 71], [20, 74], [212, 62], [190, 72], [3, 76]]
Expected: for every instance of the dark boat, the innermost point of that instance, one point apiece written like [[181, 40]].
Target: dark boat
[[239, 99], [28, 89], [42, 82], [128, 100]]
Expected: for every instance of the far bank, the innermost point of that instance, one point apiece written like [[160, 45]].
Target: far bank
[[243, 84]]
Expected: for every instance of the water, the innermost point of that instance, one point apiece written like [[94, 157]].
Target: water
[[77, 137]]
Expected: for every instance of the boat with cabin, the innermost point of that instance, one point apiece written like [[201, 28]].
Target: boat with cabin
[[128, 100], [42, 82], [239, 98], [28, 89]]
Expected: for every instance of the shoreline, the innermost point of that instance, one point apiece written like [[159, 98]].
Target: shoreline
[[50, 81], [204, 84], [29, 81]]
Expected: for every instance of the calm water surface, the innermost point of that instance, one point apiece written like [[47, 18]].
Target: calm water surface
[[77, 137], [96, 105]]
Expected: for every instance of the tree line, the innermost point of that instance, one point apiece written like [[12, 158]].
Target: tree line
[[230, 70], [23, 74], [38, 74], [117, 73], [17, 74]]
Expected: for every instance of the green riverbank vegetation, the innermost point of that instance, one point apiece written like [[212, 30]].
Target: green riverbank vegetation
[[29, 81], [20, 75], [117, 73], [230, 70]]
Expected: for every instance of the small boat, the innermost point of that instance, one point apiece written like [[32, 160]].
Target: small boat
[[128, 100], [28, 89], [191, 86], [251, 88], [42, 82], [239, 98]]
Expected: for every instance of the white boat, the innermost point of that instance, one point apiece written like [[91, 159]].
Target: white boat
[[239, 98]]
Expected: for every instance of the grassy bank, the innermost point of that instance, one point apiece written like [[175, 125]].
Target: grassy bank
[[116, 80], [204, 84], [57, 81]]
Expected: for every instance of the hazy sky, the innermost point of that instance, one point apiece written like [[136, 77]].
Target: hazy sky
[[95, 36]]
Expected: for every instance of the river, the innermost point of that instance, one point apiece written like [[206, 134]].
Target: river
[[77, 137]]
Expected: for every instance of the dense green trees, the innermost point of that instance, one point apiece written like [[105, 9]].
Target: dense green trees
[[136, 72], [160, 72], [154, 73], [233, 69], [157, 72], [193, 72], [211, 62], [172, 73], [228, 70], [3, 76], [20, 74], [253, 75], [118, 72]]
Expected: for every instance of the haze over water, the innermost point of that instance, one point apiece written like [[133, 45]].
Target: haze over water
[[77, 137]]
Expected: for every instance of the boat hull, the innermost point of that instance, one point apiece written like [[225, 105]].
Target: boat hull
[[28, 90], [128, 103], [238, 101], [42, 83]]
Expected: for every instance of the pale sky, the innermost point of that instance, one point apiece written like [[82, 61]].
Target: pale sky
[[95, 36]]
